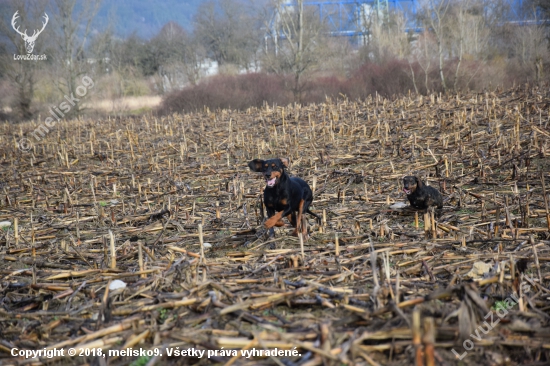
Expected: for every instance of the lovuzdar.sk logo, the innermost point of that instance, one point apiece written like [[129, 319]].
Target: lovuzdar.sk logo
[[29, 40]]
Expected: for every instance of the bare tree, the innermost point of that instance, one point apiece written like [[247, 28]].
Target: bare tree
[[530, 43], [530, 46], [460, 21], [423, 54], [388, 38], [72, 32], [460, 29], [299, 45], [472, 24], [434, 15], [228, 30], [182, 55], [192, 56], [23, 22]]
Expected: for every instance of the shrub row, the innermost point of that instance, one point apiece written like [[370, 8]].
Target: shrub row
[[394, 78]]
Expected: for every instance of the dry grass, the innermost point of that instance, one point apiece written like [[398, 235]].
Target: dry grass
[[127, 104], [373, 287]]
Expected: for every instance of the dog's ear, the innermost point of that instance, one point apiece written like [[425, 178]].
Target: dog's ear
[[418, 182], [285, 161], [256, 165]]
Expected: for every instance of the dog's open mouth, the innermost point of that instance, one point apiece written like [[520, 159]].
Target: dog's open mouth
[[407, 191], [271, 182]]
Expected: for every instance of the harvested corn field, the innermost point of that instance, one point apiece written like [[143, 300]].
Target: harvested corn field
[[146, 234]]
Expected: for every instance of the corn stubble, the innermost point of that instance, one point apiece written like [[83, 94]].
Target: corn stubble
[[169, 207]]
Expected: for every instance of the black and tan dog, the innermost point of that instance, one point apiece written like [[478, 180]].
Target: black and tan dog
[[421, 196], [283, 196]]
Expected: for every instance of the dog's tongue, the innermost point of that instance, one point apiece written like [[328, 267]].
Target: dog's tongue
[[407, 192], [271, 182]]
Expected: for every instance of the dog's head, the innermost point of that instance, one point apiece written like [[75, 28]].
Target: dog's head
[[273, 169], [411, 184]]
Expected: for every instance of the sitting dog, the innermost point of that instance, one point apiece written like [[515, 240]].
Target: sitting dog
[[283, 196], [421, 196]]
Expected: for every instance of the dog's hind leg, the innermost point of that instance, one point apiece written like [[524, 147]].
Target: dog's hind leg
[[308, 199], [300, 219], [314, 215]]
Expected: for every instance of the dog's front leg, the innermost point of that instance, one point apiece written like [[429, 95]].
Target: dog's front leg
[[273, 220], [270, 215], [277, 217]]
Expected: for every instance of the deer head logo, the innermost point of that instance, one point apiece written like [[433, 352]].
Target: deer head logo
[[29, 41]]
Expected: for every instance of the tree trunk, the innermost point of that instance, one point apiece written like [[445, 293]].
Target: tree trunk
[[299, 54], [441, 74]]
